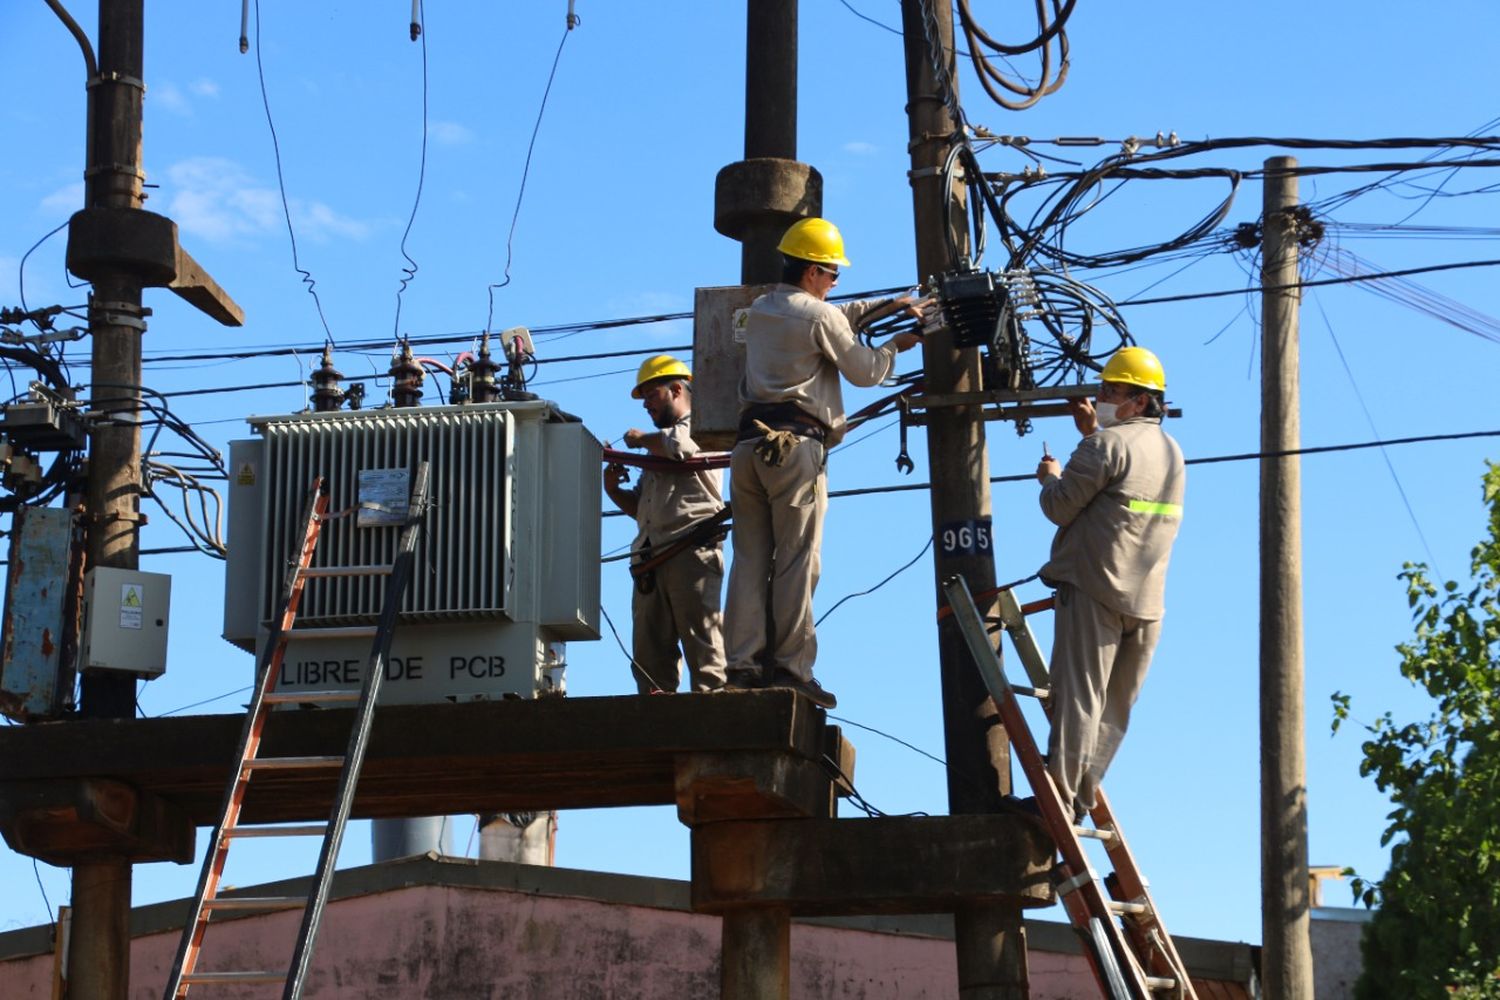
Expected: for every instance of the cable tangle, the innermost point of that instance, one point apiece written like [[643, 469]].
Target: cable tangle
[[1012, 91]]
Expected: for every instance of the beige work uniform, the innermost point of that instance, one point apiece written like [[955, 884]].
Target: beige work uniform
[[796, 347], [681, 602], [1118, 505]]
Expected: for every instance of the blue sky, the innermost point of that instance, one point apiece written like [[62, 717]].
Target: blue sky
[[616, 221]]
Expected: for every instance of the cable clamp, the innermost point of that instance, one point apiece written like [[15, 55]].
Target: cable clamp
[[118, 169], [111, 516], [112, 77], [920, 172], [126, 314]]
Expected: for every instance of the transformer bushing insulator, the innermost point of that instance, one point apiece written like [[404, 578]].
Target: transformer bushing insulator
[[482, 386], [408, 377], [327, 395]]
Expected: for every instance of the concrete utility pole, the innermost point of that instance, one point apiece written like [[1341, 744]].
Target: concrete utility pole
[[1287, 967], [99, 960], [756, 199], [990, 938], [121, 249]]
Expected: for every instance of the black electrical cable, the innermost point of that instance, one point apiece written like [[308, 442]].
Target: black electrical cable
[[1315, 283], [861, 593], [409, 271], [1207, 460], [286, 210], [21, 268], [525, 173], [1370, 421]]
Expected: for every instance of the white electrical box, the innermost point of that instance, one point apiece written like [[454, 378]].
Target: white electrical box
[[125, 615]]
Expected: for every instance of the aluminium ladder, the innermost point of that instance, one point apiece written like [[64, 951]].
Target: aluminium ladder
[[248, 761], [1128, 947]]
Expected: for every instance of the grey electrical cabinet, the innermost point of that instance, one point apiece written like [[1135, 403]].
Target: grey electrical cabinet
[[125, 614]]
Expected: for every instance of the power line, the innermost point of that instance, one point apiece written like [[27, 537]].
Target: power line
[[1207, 460], [526, 171], [1370, 420], [265, 99], [409, 270], [1316, 283]]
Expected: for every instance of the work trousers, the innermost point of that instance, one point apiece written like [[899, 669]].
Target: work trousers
[[778, 532], [681, 606], [1099, 662]]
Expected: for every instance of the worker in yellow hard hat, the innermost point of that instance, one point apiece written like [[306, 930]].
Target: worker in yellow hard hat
[[797, 346], [676, 606], [1117, 505]]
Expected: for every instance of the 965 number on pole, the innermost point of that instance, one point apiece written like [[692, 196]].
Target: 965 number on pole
[[968, 538]]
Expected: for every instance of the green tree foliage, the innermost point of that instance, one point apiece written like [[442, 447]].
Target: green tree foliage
[[1437, 930]]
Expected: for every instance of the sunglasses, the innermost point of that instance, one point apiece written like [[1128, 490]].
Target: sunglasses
[[831, 272]]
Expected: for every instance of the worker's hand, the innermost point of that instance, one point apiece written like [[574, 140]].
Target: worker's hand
[[635, 438], [1048, 468], [615, 476], [906, 340], [1084, 418], [912, 307]]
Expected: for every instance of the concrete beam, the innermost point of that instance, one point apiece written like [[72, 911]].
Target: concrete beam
[[90, 820], [906, 864], [424, 760], [144, 244], [713, 787]]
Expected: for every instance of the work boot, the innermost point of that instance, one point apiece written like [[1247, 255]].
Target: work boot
[[1027, 807], [809, 688], [743, 680]]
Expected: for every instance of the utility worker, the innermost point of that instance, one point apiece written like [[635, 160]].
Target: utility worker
[[677, 601], [1117, 505], [791, 413]]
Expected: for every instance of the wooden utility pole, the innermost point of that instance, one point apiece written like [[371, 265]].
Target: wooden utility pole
[[989, 938], [1286, 969]]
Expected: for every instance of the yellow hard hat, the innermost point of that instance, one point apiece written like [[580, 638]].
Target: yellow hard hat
[[658, 366], [817, 240], [1136, 366]]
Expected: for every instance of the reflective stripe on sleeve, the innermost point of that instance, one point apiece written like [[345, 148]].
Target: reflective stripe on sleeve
[[1153, 507]]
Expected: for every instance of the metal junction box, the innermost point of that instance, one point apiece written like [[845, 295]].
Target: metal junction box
[[719, 361], [125, 616], [36, 683], [507, 564]]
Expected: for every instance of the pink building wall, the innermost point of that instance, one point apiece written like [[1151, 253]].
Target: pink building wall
[[434, 941]]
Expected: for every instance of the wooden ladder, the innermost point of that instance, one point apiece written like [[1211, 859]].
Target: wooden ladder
[[1131, 953], [248, 761]]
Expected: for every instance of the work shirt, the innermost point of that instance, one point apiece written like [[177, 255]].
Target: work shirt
[[796, 345], [669, 503], [1117, 505]]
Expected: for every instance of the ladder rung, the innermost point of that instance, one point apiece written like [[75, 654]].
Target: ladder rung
[[309, 697], [292, 763], [254, 902], [303, 830], [1092, 834], [325, 571], [1128, 909], [1031, 692], [267, 976], [1160, 983], [332, 632]]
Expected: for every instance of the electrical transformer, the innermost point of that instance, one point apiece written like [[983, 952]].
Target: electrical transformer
[[507, 566]]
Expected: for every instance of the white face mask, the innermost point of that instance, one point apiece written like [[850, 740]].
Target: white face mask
[[1105, 412]]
